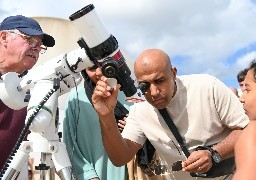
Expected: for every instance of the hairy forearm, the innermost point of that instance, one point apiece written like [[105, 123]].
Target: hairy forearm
[[226, 146], [116, 147]]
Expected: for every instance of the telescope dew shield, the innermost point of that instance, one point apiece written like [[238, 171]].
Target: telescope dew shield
[[89, 25], [103, 45]]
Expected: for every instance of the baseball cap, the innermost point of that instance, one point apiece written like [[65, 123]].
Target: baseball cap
[[27, 26]]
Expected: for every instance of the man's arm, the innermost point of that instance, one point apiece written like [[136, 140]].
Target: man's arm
[[119, 150], [226, 147], [200, 161]]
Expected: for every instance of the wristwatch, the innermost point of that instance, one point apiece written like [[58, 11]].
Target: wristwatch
[[216, 157]]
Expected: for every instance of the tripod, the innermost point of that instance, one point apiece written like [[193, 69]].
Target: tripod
[[44, 135]]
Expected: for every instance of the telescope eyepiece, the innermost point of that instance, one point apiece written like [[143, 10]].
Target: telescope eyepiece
[[144, 87], [110, 68]]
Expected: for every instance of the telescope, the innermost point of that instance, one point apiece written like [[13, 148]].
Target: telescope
[[97, 48], [103, 48], [40, 87], [39, 90]]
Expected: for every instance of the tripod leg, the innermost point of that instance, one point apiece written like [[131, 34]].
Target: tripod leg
[[19, 160], [42, 167], [62, 163], [51, 173]]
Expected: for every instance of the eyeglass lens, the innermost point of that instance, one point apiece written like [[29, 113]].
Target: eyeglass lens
[[32, 41]]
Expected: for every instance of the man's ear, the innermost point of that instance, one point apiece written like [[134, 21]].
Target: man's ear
[[3, 37], [174, 72]]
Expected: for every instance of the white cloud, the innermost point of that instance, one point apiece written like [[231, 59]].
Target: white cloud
[[207, 32], [245, 60]]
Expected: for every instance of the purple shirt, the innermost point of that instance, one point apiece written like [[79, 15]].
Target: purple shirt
[[11, 125]]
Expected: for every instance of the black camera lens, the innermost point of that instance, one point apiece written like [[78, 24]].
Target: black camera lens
[[110, 68]]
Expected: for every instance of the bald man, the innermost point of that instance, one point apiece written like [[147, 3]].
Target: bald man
[[234, 90], [203, 109]]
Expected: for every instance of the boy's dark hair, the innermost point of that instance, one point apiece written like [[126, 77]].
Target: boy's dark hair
[[241, 75], [253, 67]]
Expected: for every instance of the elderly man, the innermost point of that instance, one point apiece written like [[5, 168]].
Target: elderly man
[[21, 42], [203, 109]]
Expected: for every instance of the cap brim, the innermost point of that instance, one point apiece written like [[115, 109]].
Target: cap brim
[[47, 39]]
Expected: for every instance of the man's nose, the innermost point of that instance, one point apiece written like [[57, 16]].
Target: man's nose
[[154, 90], [241, 98]]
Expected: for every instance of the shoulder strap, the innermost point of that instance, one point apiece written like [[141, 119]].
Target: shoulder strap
[[174, 130]]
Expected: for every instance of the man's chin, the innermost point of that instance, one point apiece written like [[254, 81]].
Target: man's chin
[[159, 106], [30, 63]]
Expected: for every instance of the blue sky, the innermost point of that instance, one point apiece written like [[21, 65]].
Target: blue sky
[[201, 36]]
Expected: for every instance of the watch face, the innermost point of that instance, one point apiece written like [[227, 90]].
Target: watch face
[[216, 157]]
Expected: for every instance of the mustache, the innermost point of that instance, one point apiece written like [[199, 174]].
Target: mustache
[[32, 53]]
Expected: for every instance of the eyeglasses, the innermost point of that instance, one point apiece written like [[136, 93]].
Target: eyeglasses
[[33, 42]]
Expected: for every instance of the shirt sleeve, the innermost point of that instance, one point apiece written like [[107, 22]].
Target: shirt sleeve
[[83, 169], [230, 109], [132, 130]]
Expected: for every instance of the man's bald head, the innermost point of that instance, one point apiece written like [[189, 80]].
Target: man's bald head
[[151, 59], [154, 68]]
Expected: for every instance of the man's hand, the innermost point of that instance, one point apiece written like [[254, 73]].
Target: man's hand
[[104, 97], [198, 161]]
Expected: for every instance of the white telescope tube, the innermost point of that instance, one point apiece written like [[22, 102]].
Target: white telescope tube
[[87, 22]]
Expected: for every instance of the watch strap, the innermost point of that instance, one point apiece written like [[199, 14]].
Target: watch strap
[[205, 148]]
